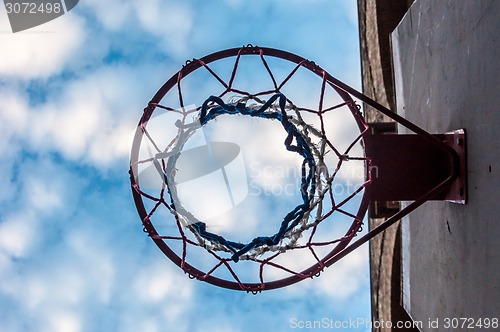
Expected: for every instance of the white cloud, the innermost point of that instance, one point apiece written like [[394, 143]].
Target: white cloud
[[43, 195], [17, 235], [344, 278], [44, 189], [152, 296], [41, 51], [113, 14], [14, 113], [41, 191], [91, 249], [5, 261], [35, 292], [339, 282], [64, 321], [157, 282], [14, 117], [169, 20], [150, 325], [92, 119]]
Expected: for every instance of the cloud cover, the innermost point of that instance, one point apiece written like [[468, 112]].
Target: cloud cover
[[72, 254]]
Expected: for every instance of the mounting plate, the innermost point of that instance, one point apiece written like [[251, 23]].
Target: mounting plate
[[458, 189]]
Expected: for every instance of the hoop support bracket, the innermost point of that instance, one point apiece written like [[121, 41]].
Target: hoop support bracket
[[405, 167]]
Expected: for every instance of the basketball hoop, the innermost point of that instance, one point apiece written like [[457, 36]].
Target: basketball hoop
[[261, 263]]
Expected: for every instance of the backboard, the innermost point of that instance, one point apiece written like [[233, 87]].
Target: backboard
[[447, 72]]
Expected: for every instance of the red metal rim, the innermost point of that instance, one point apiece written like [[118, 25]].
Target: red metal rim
[[149, 227]]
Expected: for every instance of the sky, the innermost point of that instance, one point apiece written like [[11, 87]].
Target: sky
[[73, 256]]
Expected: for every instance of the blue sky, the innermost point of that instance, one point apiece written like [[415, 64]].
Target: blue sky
[[73, 256]]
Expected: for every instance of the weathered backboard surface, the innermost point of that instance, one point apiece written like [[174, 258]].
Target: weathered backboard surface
[[447, 74]]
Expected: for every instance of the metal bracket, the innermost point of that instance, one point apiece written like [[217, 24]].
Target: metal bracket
[[405, 167], [457, 192]]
